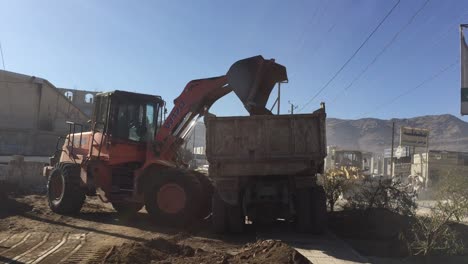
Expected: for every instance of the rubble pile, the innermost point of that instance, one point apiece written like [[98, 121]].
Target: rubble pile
[[162, 250]]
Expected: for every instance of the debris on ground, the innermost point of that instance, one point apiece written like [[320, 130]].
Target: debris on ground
[[269, 251], [162, 250]]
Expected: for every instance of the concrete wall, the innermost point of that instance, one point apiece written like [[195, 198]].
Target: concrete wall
[[33, 113], [26, 174]]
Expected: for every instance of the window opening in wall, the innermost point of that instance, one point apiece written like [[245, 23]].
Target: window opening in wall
[[89, 98], [69, 95]]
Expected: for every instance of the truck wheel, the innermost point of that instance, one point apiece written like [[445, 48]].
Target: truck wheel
[[219, 217], [311, 210], [226, 217], [172, 196], [319, 209], [206, 194], [303, 210], [236, 219], [127, 209], [64, 193]]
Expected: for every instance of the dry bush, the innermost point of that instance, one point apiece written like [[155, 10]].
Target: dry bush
[[334, 186], [433, 234], [380, 193]]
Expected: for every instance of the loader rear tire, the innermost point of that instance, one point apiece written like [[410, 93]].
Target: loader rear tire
[[172, 196], [64, 193]]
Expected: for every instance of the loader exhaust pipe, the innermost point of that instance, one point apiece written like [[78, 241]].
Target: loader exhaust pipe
[[253, 79]]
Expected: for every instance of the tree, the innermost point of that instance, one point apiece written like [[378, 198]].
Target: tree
[[334, 184]]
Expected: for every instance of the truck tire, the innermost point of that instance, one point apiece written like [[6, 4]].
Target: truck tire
[[127, 209], [311, 210], [226, 217], [172, 196], [303, 210], [206, 194], [219, 217], [319, 209], [236, 219], [64, 193]]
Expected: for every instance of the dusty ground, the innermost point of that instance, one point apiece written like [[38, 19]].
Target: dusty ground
[[31, 233]]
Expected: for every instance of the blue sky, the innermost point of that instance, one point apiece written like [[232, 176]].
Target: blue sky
[[156, 47]]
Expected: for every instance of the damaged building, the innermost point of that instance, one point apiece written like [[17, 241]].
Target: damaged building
[[33, 113]]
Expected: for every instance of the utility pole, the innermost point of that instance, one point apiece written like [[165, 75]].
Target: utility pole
[[193, 146], [279, 97], [293, 106], [391, 155]]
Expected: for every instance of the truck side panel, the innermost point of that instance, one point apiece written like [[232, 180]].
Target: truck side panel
[[266, 145]]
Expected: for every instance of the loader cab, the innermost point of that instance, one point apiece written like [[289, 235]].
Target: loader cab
[[126, 116]]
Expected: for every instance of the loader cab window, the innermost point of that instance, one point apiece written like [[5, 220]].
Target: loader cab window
[[135, 121]]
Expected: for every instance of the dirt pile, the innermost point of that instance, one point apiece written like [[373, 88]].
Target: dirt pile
[[167, 251], [269, 251]]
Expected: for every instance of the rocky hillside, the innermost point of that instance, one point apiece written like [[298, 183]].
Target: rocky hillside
[[447, 132]]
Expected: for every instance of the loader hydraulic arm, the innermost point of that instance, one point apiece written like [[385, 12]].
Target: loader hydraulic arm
[[194, 101], [252, 80]]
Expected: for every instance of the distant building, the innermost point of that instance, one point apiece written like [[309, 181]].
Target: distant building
[[81, 98]]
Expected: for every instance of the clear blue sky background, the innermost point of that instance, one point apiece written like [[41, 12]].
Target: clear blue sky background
[[156, 47]]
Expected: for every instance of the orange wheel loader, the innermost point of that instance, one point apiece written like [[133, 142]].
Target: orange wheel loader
[[129, 156]]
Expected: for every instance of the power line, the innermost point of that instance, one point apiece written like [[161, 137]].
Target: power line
[[395, 37], [1, 52], [406, 92], [352, 56], [412, 89]]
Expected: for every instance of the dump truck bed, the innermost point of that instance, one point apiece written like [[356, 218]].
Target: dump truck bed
[[266, 144]]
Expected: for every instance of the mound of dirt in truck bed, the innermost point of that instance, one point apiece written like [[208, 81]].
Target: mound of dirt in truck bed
[[162, 250]]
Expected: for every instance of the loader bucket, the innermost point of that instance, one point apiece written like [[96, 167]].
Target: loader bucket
[[253, 79]]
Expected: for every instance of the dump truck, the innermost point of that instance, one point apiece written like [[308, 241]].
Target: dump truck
[[264, 169]]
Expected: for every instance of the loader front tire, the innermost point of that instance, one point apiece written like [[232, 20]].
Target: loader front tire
[[172, 196], [64, 193]]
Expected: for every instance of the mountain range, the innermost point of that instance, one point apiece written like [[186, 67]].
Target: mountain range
[[446, 132]]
